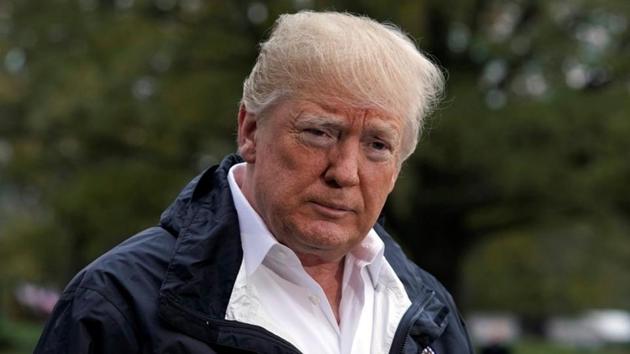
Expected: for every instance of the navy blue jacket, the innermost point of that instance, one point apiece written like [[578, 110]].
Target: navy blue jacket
[[166, 290]]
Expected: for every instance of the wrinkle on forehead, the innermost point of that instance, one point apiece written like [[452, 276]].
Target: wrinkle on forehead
[[344, 109], [336, 101]]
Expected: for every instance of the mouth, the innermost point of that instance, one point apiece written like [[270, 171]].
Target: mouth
[[331, 210]]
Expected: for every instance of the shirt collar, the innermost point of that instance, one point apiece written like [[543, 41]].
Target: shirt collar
[[256, 238], [258, 241], [369, 253]]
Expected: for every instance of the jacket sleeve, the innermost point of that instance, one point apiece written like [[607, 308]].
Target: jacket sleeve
[[84, 322]]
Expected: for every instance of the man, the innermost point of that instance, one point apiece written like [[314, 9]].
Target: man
[[278, 250]]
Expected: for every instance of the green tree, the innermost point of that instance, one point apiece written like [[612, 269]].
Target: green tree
[[533, 131], [108, 107]]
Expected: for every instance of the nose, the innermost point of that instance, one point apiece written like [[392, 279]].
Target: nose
[[343, 168]]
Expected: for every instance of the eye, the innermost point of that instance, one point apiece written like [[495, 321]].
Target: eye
[[378, 150], [315, 132], [379, 146], [317, 137]]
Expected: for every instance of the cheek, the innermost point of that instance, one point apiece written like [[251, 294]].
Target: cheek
[[299, 167], [377, 188], [375, 200], [283, 154]]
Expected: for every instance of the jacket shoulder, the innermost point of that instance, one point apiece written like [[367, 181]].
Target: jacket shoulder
[[112, 299], [84, 321], [136, 263]]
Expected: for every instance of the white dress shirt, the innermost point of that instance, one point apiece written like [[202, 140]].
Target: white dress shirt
[[272, 290]]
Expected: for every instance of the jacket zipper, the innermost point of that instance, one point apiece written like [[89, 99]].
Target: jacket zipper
[[409, 318]]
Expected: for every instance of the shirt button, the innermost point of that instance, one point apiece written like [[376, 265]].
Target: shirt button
[[314, 299]]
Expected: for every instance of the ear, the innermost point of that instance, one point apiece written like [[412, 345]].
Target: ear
[[247, 127]]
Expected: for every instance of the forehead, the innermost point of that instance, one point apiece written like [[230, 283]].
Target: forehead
[[344, 114]]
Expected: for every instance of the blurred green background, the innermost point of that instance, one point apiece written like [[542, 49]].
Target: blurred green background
[[517, 198]]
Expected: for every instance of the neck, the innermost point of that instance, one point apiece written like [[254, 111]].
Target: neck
[[328, 275]]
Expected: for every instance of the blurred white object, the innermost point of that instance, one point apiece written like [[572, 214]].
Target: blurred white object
[[487, 328], [610, 325], [593, 328], [571, 331]]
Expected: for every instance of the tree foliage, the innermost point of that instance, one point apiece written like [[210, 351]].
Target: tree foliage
[[516, 197]]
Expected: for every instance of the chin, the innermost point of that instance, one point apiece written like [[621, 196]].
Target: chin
[[326, 238], [306, 235]]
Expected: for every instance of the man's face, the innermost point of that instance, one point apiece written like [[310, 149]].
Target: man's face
[[319, 174]]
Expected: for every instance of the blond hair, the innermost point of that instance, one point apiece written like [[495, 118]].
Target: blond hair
[[351, 58]]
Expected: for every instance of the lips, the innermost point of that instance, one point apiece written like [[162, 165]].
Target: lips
[[331, 209]]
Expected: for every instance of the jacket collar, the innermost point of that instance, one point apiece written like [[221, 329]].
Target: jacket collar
[[208, 250]]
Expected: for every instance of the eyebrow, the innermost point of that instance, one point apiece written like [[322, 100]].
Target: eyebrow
[[378, 128], [383, 129], [322, 119]]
